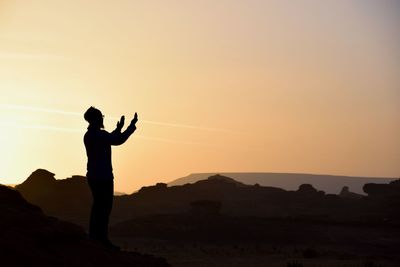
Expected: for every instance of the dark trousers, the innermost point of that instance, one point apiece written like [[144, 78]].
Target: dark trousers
[[103, 193]]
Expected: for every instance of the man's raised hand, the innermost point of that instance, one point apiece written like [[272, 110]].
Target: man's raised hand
[[121, 123], [135, 119]]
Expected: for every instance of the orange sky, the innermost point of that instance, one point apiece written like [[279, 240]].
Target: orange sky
[[219, 86]]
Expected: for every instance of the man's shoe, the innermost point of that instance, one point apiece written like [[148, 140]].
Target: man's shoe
[[110, 246], [105, 243]]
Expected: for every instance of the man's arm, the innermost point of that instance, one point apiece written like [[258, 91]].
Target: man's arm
[[117, 137]]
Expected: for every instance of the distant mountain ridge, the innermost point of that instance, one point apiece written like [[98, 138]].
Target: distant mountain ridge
[[70, 199], [213, 210], [331, 184]]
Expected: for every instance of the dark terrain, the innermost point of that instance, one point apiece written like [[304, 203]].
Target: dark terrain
[[291, 181], [30, 238], [224, 222]]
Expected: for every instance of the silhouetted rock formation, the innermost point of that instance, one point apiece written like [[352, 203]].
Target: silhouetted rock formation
[[384, 200], [290, 181], [205, 208], [237, 199], [218, 209], [383, 190], [309, 191], [346, 194], [159, 187], [68, 199], [29, 238], [225, 179], [39, 179]]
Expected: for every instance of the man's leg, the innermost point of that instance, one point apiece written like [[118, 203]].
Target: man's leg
[[95, 214], [103, 195], [107, 201]]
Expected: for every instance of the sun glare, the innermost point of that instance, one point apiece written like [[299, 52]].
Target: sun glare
[[10, 146]]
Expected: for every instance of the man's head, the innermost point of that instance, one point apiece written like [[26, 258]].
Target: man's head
[[94, 117]]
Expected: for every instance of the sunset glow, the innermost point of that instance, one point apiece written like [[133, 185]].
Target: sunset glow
[[219, 86]]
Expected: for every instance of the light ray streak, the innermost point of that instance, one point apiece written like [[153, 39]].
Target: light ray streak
[[81, 131], [31, 56], [42, 127], [72, 113]]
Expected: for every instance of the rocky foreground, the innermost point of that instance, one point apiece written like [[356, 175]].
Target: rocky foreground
[[30, 238]]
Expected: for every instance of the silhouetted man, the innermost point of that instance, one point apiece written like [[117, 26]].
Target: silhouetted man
[[99, 175]]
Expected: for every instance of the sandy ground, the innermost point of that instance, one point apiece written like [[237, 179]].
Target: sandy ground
[[182, 254]]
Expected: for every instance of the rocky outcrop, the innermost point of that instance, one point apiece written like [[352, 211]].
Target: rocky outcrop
[[345, 193], [68, 199], [29, 238], [384, 200], [309, 190], [391, 189], [205, 208]]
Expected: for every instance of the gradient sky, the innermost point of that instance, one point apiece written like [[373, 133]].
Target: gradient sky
[[219, 86]]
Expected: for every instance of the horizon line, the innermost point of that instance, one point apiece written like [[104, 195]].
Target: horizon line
[[294, 173]]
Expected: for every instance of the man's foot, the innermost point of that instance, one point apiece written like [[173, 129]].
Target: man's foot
[[106, 244], [110, 246]]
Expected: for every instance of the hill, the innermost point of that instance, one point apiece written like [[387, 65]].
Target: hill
[[233, 198], [67, 199], [70, 199], [331, 184], [30, 238], [179, 222]]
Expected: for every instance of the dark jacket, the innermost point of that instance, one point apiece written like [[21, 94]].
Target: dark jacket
[[98, 144]]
